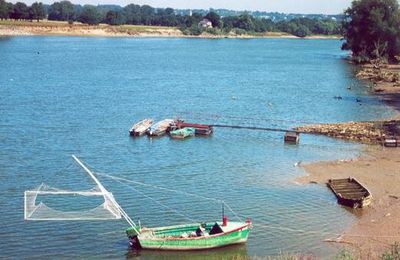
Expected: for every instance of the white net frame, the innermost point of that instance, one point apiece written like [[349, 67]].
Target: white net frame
[[34, 210]]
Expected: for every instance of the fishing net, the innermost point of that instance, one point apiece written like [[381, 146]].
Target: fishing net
[[48, 203]]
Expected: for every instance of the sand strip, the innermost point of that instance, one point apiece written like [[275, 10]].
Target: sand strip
[[378, 226]]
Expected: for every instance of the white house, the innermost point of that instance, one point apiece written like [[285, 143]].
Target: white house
[[205, 23]]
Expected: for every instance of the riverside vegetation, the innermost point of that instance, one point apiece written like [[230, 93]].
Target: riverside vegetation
[[133, 14]]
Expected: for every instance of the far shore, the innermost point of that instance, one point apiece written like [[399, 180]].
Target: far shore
[[55, 28]]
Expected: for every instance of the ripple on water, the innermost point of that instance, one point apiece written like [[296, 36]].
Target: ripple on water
[[81, 95]]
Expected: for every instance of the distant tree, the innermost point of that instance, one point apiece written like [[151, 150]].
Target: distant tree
[[132, 14], [263, 25], [20, 11], [147, 14], [3, 10], [214, 18], [62, 11], [371, 29], [301, 31], [115, 18], [245, 22], [37, 11], [10, 8], [89, 15]]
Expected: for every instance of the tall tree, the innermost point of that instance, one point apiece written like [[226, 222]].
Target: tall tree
[[62, 11], [21, 11], [132, 14], [89, 15], [115, 18], [147, 14], [371, 29], [214, 18], [37, 11], [3, 10]]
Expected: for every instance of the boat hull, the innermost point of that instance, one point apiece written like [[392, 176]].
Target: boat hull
[[351, 193], [236, 235], [141, 127]]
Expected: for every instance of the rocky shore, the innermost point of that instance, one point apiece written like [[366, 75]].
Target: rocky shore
[[363, 132], [385, 80]]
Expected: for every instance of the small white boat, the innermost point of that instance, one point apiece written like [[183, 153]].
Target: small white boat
[[160, 128], [141, 127]]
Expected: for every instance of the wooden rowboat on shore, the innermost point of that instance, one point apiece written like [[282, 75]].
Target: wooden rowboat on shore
[[350, 192], [141, 127]]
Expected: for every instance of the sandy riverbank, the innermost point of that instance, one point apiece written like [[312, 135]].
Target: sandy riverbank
[[378, 226], [23, 28]]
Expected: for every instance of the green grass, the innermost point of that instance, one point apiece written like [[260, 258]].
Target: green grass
[[393, 254]]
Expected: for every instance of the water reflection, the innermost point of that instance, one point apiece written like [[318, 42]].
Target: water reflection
[[229, 252]]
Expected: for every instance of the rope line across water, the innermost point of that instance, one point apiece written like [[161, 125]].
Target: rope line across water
[[122, 180]]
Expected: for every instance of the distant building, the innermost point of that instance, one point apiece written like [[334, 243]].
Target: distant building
[[205, 23]]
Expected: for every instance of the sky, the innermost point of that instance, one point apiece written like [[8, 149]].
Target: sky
[[284, 6]]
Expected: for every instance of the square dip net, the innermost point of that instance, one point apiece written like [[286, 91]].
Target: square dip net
[[43, 203]]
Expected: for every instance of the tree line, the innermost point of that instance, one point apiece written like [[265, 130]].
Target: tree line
[[20, 11], [147, 15]]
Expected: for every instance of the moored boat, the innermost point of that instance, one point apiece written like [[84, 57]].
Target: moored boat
[[160, 127], [190, 236], [182, 133], [200, 129], [141, 127], [350, 192]]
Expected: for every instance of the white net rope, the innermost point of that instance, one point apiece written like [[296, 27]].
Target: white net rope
[[36, 209]]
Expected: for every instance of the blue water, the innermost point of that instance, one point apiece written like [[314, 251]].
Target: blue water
[[75, 95]]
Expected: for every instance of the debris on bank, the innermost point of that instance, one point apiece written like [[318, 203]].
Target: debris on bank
[[374, 132], [381, 74]]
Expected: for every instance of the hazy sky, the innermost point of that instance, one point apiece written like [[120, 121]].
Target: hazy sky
[[285, 6]]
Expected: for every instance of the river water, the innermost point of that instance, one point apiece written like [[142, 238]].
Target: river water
[[80, 95]]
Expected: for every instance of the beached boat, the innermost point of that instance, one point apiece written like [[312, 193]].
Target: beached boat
[[200, 129], [141, 127], [160, 127], [191, 236], [350, 192], [182, 133]]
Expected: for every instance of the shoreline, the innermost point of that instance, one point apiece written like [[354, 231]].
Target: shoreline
[[376, 227], [54, 28]]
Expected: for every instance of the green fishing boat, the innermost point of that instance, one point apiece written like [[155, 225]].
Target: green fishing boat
[[190, 236], [183, 133], [195, 236]]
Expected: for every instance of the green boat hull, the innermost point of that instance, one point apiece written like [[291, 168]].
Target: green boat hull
[[170, 238]]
